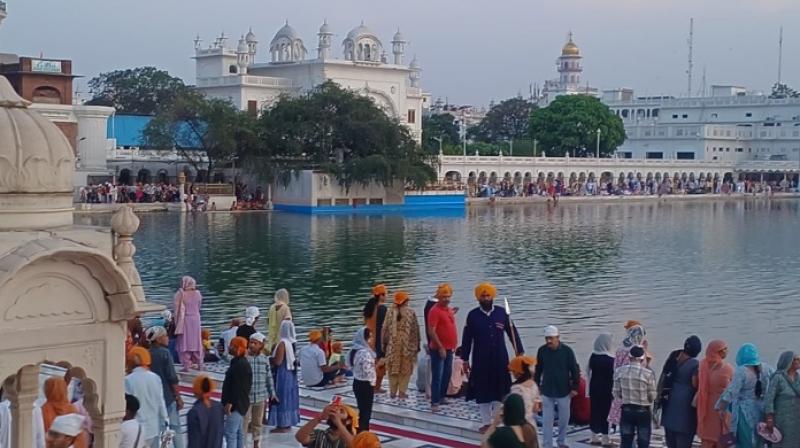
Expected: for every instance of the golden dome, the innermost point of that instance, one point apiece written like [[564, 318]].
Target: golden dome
[[570, 49]]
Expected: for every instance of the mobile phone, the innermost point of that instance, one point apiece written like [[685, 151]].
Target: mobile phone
[[336, 400]]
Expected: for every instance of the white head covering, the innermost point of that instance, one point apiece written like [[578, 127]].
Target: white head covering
[[602, 344], [166, 315], [550, 331], [282, 296], [258, 337], [288, 338], [156, 332], [250, 314], [68, 424]]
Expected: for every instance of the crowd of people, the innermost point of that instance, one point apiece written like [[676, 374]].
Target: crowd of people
[[110, 193], [626, 187], [747, 405]]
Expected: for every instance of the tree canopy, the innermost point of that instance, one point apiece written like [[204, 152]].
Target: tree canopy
[[569, 126], [440, 126], [191, 122], [780, 91], [507, 120], [141, 90], [341, 132]]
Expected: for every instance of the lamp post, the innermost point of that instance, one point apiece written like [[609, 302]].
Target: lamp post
[[597, 150], [439, 139], [535, 143]]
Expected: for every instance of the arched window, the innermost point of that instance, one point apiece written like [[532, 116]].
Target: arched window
[[233, 69], [46, 94]]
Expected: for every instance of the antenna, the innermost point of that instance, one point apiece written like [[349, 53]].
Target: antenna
[[703, 85], [780, 54], [691, 57]]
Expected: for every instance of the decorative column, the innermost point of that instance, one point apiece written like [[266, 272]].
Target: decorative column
[[24, 393], [182, 189], [125, 223]]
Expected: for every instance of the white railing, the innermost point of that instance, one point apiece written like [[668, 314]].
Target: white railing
[[154, 155], [236, 80]]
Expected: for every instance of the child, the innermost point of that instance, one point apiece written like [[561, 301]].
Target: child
[[210, 354], [262, 389], [336, 357], [521, 368]]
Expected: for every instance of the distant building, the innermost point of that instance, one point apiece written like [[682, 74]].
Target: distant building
[[731, 124], [569, 81], [47, 83], [365, 67]]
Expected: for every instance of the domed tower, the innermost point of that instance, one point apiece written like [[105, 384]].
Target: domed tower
[[37, 165], [325, 41], [252, 43], [243, 56], [362, 45], [399, 47], [569, 65], [287, 46]]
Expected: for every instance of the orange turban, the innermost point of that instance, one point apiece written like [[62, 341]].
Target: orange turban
[[240, 345], [400, 297], [366, 439], [314, 336], [141, 354], [336, 346], [518, 365], [484, 289], [353, 415], [379, 290], [203, 386], [205, 333], [443, 290], [632, 323]]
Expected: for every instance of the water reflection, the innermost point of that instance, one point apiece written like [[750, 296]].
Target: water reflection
[[723, 269]]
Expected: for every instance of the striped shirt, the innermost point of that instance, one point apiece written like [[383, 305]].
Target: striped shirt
[[635, 384], [263, 387]]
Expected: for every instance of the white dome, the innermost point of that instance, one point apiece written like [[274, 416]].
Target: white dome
[[286, 31], [414, 64], [37, 165], [361, 31], [242, 48], [325, 28], [250, 37], [398, 36]]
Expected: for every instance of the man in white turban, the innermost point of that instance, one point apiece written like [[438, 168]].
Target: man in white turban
[[64, 430], [251, 315]]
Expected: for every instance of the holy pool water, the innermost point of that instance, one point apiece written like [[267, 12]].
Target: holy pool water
[[718, 269]]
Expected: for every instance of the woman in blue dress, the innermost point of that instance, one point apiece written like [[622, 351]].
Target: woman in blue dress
[[286, 413], [745, 396], [679, 417]]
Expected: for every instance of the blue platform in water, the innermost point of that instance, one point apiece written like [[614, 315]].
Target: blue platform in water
[[415, 204]]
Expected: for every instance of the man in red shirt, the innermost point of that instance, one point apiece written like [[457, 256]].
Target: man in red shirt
[[443, 341]]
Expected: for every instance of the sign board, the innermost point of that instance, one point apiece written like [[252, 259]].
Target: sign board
[[41, 65]]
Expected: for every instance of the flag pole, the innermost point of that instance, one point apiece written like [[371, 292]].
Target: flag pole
[[511, 322]]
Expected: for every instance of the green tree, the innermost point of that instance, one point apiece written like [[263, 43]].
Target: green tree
[[194, 124], [439, 126], [569, 126], [342, 133], [141, 90], [507, 120], [780, 91]]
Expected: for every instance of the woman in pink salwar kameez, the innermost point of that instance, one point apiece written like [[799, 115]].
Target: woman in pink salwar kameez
[[188, 344]]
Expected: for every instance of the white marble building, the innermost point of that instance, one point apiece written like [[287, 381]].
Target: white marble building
[[730, 125], [365, 67]]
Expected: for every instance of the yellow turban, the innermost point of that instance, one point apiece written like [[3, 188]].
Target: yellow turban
[[400, 297], [444, 290], [484, 289], [379, 290], [366, 439], [518, 365], [314, 336], [353, 415]]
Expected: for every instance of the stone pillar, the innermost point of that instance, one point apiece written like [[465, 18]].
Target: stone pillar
[[125, 223], [182, 189], [26, 390]]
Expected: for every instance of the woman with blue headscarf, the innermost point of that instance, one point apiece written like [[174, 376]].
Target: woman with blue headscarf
[[745, 396], [782, 402], [361, 360]]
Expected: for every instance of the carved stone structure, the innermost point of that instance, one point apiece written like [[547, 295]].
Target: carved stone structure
[[64, 295]]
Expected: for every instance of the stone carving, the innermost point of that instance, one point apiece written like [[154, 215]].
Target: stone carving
[[71, 303], [125, 223]]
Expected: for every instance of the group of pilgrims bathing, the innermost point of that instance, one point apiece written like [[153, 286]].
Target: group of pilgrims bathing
[[709, 399]]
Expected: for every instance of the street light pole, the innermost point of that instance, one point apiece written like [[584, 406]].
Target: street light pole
[[597, 151], [439, 139], [535, 142]]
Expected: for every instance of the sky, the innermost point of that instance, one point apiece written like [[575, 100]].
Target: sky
[[471, 51]]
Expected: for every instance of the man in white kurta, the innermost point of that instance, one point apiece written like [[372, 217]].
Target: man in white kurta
[[146, 387]]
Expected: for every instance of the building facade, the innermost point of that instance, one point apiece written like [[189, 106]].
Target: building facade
[[570, 71], [365, 67]]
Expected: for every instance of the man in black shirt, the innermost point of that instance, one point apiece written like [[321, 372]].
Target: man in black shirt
[[236, 393]]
